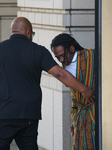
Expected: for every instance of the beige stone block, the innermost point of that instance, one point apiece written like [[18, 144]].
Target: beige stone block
[[59, 86], [19, 13], [45, 37], [21, 3], [65, 88], [83, 4], [24, 14], [60, 20], [38, 18], [35, 38], [8, 11], [66, 20], [46, 125], [66, 4], [106, 109], [106, 75], [53, 19], [85, 38], [31, 17], [83, 19], [39, 3], [67, 139], [53, 83], [45, 18], [58, 121], [8, 1], [58, 4], [45, 80], [5, 28]]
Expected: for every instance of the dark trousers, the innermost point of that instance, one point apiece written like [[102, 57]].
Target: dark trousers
[[23, 131]]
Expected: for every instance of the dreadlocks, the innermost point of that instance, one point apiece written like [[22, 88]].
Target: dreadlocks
[[66, 41]]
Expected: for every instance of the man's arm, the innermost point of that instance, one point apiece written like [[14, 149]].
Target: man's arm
[[69, 80]]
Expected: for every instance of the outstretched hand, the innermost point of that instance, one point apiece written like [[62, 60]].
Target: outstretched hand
[[89, 94]]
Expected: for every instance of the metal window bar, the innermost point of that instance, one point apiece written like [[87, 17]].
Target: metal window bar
[[98, 73]]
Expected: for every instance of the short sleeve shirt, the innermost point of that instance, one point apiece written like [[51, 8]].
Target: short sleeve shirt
[[21, 65]]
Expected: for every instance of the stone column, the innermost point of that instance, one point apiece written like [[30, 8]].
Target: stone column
[[106, 75], [8, 11]]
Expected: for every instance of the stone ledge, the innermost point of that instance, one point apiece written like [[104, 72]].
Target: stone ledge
[[8, 11], [57, 11], [53, 18], [8, 4], [8, 1]]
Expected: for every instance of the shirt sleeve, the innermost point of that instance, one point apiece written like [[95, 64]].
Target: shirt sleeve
[[47, 60]]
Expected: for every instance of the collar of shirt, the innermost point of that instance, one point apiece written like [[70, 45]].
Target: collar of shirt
[[72, 67], [18, 36]]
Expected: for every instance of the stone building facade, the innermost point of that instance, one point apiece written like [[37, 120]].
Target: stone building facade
[[49, 18]]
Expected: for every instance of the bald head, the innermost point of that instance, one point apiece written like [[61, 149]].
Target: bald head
[[21, 25]]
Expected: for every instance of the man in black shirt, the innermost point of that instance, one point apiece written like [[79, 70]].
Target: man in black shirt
[[21, 65]]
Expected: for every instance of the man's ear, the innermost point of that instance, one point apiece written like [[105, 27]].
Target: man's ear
[[72, 49], [28, 32]]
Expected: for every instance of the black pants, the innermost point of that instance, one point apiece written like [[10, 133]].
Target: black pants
[[23, 131]]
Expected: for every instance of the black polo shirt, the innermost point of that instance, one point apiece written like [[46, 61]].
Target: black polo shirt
[[21, 64]]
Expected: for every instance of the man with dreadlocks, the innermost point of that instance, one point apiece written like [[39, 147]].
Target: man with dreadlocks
[[80, 63]]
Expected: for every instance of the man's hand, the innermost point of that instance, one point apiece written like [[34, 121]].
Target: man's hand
[[88, 94]]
